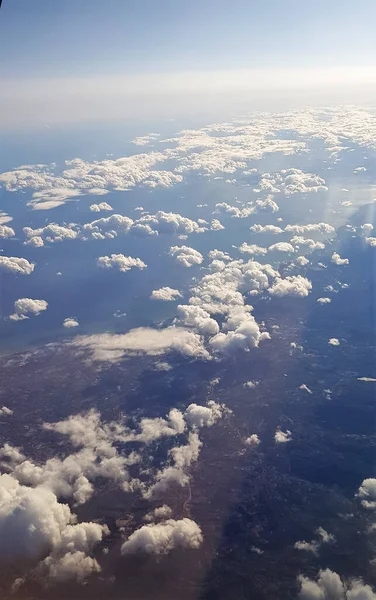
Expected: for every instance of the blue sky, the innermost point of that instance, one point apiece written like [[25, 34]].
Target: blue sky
[[103, 59], [42, 37]]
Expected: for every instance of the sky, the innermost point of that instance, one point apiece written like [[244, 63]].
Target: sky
[[120, 47]]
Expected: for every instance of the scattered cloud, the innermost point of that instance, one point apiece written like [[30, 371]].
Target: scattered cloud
[[27, 306], [162, 538], [281, 437], [324, 300], [69, 322], [293, 285], [337, 260], [144, 340], [186, 256], [19, 266], [334, 342], [329, 586], [6, 232], [121, 262], [165, 293], [253, 440], [101, 206]]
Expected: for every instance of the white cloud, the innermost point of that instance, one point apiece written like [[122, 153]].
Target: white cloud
[[144, 340], [291, 286], [334, 342], [281, 437], [307, 242], [323, 228], [51, 233], [162, 538], [252, 440], [107, 227], [305, 388], [367, 492], [324, 300], [36, 241], [302, 261], [281, 247], [337, 260], [154, 429], [71, 566], [121, 262], [367, 227], [161, 512], [34, 523], [6, 232], [165, 293], [5, 411], [291, 181], [186, 256], [16, 265], [5, 218], [218, 255], [146, 139], [101, 206], [205, 416], [216, 225], [69, 322], [266, 229], [27, 306], [197, 317], [371, 241], [252, 249], [329, 586], [315, 545]]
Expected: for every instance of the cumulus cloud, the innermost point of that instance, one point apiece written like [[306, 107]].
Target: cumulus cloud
[[253, 249], [162, 538], [69, 322], [371, 241], [186, 256], [205, 416], [6, 232], [219, 255], [302, 261], [144, 340], [329, 586], [281, 437], [323, 228], [252, 440], [71, 566], [266, 229], [121, 262], [5, 412], [334, 342], [367, 492], [337, 260], [154, 429], [165, 293], [107, 227], [324, 300], [293, 285], [50, 233], [197, 317], [27, 306], [34, 524], [315, 545], [19, 266], [310, 244], [281, 247], [101, 206], [216, 225], [161, 512], [291, 181]]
